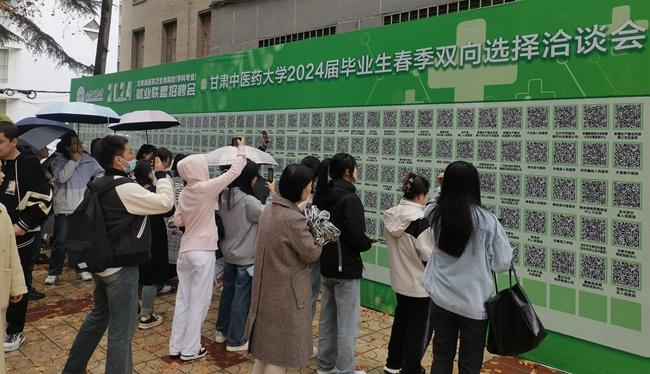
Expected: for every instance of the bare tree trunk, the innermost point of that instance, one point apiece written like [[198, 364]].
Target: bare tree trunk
[[102, 38]]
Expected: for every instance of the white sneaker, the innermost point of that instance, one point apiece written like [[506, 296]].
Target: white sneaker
[[314, 352], [147, 322], [166, 288], [332, 371], [13, 341], [202, 352], [388, 370], [359, 372], [238, 348], [219, 337], [85, 276], [50, 280]]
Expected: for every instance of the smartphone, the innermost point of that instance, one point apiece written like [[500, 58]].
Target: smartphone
[[269, 175]]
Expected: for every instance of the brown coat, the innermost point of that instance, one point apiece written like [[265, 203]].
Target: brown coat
[[279, 320]]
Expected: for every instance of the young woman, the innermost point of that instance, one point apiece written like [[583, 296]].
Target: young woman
[[341, 264], [240, 212], [469, 244], [146, 152], [409, 247], [195, 266], [279, 322]]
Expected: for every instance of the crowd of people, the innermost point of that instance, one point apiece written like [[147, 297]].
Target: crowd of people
[[249, 236]]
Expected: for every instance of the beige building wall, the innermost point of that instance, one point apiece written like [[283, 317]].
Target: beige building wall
[[150, 15]]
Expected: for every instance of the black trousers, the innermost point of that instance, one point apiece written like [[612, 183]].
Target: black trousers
[[17, 312], [472, 332], [410, 335]]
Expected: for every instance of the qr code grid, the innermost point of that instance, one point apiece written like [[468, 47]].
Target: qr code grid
[[444, 148], [564, 225], [626, 234], [406, 146], [510, 184], [386, 201], [281, 120], [357, 145], [516, 252], [627, 155], [407, 119], [344, 119], [487, 150], [329, 144], [465, 118], [358, 120], [330, 119], [565, 153], [425, 119], [537, 118], [510, 218], [563, 262], [564, 189], [315, 144], [370, 200], [304, 120], [303, 144], [536, 187], [425, 148], [626, 274], [343, 145], [537, 152], [487, 118], [510, 151], [388, 174], [627, 194], [593, 267], [465, 149], [372, 172], [627, 116], [535, 257], [535, 221], [566, 117], [373, 120], [593, 229], [593, 192], [293, 120], [488, 183], [594, 117], [390, 119], [259, 120], [445, 118], [372, 145], [291, 143], [594, 154], [511, 118], [388, 147]]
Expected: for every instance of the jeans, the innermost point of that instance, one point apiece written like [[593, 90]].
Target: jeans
[[59, 251], [472, 342], [234, 304], [410, 334], [116, 307], [16, 312], [314, 269], [339, 324], [148, 299]]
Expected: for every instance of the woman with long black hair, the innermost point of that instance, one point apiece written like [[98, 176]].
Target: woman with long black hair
[[469, 244]]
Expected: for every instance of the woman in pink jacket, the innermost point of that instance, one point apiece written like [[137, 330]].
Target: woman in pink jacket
[[195, 265]]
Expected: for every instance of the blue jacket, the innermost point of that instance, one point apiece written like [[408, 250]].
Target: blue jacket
[[70, 180]]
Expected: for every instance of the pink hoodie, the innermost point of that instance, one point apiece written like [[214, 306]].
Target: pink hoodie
[[196, 202]]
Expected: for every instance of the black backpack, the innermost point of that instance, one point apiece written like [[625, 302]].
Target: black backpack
[[88, 245]]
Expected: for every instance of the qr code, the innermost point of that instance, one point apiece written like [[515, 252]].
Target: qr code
[[425, 119], [390, 119], [563, 225], [425, 148], [407, 119], [510, 151], [564, 189], [465, 149], [516, 249], [488, 183], [223, 121], [373, 120], [329, 145], [537, 152], [231, 122], [402, 171], [536, 187], [511, 118], [357, 145], [593, 229], [510, 184], [372, 145], [627, 155], [388, 147], [303, 144], [293, 120], [406, 147], [330, 119], [626, 274], [594, 117], [317, 119], [388, 174], [594, 154], [627, 194], [487, 118], [424, 173], [342, 145], [445, 118], [372, 172], [270, 120], [259, 120], [535, 257], [444, 148], [563, 262], [315, 144], [487, 150], [627, 116], [565, 153], [281, 120], [535, 221], [249, 121], [593, 192], [304, 120], [371, 226], [537, 118], [291, 143], [465, 118], [358, 120], [344, 119], [510, 218], [386, 200], [566, 117], [626, 234], [593, 267], [370, 199]]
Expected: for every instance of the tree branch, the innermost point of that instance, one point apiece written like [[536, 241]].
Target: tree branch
[[84, 7]]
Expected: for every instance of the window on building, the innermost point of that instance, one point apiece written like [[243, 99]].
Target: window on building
[[137, 49], [4, 65], [3, 106], [204, 34], [450, 7], [317, 33], [169, 42]]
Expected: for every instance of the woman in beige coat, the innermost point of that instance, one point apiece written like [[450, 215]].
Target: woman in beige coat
[[12, 281], [279, 320]]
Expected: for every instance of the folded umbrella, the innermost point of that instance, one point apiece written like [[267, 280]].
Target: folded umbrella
[[40, 137], [228, 155], [78, 112]]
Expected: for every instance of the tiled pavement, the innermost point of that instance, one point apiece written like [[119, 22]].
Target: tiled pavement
[[53, 323]]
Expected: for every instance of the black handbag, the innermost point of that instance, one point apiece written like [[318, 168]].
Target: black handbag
[[514, 327]]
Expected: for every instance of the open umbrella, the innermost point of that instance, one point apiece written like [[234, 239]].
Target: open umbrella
[[40, 137], [78, 112], [30, 123], [144, 120], [228, 155]]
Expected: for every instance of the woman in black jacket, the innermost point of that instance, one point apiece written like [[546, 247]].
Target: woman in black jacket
[[341, 264]]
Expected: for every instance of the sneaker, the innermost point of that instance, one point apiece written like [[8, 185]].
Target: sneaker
[[174, 355], [219, 337], [147, 322], [331, 371], [165, 289], [388, 370], [35, 295], [202, 352], [239, 348], [85, 276], [359, 372], [314, 352], [13, 341], [50, 280]]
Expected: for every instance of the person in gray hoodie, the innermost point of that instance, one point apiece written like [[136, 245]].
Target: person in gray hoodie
[[240, 211]]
